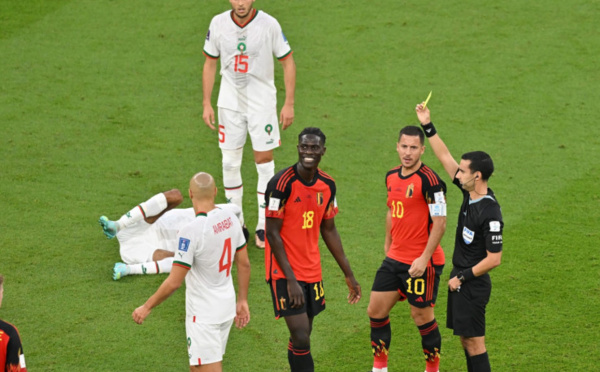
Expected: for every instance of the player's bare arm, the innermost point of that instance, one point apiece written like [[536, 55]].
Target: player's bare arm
[[208, 81], [273, 234], [242, 263], [286, 117], [436, 143], [332, 240], [166, 289], [435, 237]]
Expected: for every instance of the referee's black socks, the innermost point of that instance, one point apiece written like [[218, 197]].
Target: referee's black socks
[[481, 363]]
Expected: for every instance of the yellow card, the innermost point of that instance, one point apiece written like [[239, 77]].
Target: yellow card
[[427, 100]]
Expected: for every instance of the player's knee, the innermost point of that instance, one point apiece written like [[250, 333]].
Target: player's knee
[[262, 157], [373, 312], [232, 159], [421, 315], [380, 305], [174, 197], [301, 338], [154, 206], [473, 345]]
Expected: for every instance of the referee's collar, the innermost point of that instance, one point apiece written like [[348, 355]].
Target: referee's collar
[[480, 199]]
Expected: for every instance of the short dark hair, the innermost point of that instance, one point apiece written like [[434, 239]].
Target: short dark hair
[[1, 280], [312, 131], [412, 130], [480, 162]]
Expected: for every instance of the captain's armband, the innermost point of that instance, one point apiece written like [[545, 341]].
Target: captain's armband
[[437, 210]]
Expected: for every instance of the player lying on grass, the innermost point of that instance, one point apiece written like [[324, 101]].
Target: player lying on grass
[[147, 234]]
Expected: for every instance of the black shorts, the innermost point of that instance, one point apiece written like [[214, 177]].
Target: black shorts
[[420, 292], [314, 298], [466, 308]]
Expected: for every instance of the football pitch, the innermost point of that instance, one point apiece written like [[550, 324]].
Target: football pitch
[[100, 108]]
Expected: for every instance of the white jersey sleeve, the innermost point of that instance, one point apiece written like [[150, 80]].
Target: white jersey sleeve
[[168, 225], [281, 47], [211, 46]]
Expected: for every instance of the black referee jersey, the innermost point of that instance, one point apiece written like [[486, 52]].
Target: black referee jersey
[[479, 229]]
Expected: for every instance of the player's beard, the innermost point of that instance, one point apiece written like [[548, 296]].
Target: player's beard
[[243, 17]]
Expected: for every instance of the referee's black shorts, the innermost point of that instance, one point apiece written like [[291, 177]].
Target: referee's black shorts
[[466, 308]]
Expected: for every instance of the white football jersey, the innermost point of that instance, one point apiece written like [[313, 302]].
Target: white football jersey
[[207, 246], [168, 225], [246, 53]]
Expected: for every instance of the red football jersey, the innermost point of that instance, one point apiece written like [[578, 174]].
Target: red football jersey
[[302, 206], [408, 199], [11, 350]]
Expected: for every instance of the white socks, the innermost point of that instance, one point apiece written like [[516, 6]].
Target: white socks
[[265, 173], [232, 182], [152, 267], [149, 208], [232, 177]]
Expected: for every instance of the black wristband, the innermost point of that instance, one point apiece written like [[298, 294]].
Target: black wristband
[[429, 129], [466, 275]]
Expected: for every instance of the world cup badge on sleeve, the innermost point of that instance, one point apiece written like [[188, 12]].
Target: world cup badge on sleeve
[[274, 204], [184, 244]]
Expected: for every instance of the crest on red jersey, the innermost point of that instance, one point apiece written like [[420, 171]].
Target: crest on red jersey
[[319, 198]]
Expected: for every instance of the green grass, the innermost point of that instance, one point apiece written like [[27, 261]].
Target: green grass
[[100, 107]]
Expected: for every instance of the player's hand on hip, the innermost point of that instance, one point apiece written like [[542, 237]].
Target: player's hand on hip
[[140, 314], [286, 117], [296, 294], [355, 292], [208, 115]]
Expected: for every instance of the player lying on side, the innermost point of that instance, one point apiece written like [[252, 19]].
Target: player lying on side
[[147, 234]]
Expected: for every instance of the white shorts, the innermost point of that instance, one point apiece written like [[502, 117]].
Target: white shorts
[[234, 126], [206, 342], [138, 243]]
